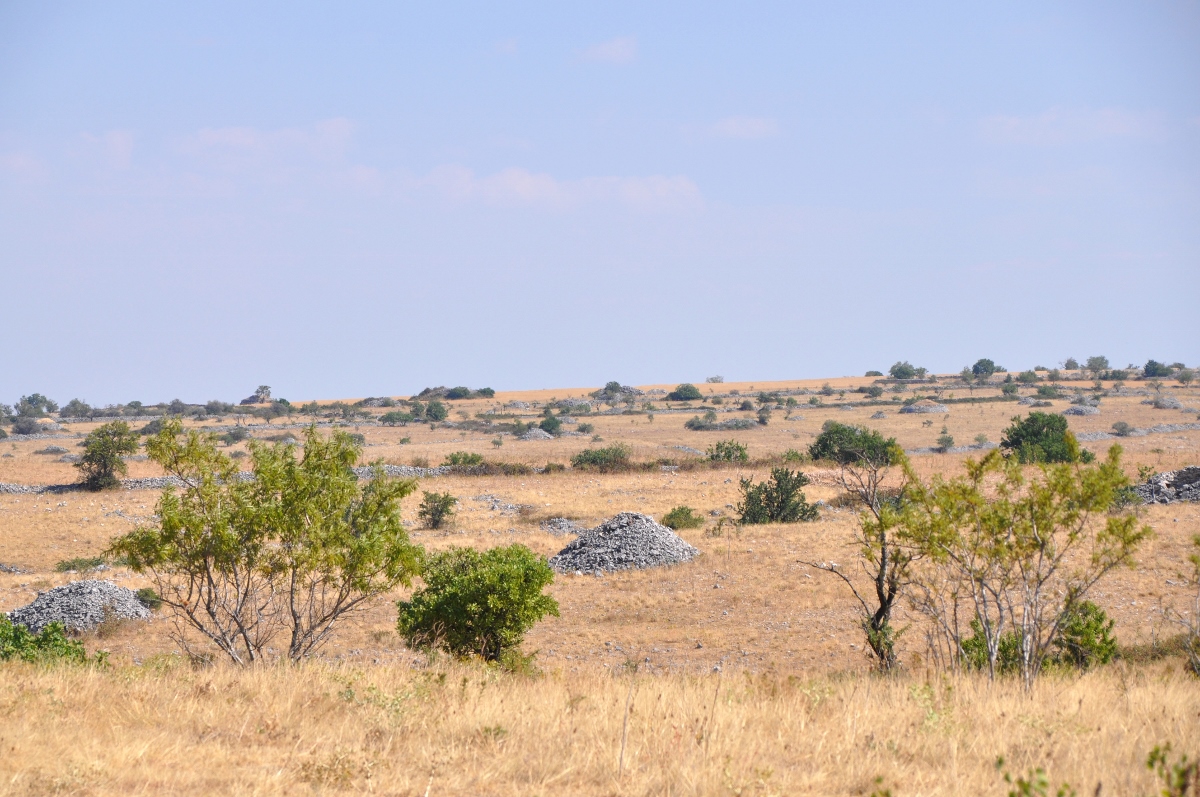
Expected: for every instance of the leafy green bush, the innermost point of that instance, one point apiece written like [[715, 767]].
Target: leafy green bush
[[945, 442], [102, 452], [149, 598], [463, 459], [79, 564], [874, 391], [550, 425], [605, 460], [1009, 389], [1121, 429], [436, 509], [585, 428], [975, 652], [682, 517], [485, 392], [1085, 637], [436, 411], [76, 409], [853, 445], [477, 603], [235, 435], [26, 425], [458, 393], [983, 368], [873, 373], [1027, 377], [685, 392], [1042, 437], [727, 451], [554, 467], [780, 499], [395, 417], [50, 644], [698, 424], [746, 405], [764, 416], [1154, 370], [903, 370], [1047, 391], [792, 455]]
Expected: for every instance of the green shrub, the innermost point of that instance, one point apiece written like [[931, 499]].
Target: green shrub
[[792, 455], [975, 651], [982, 369], [1042, 437], [764, 416], [1154, 370], [698, 424], [149, 598], [436, 509], [727, 451], [463, 459], [50, 644], [485, 392], [436, 411], [554, 467], [682, 517], [79, 564], [903, 370], [103, 450], [26, 425], [1027, 377], [586, 428], [395, 417], [853, 445], [1047, 391], [1085, 637], [945, 441], [874, 391], [873, 373], [458, 393], [747, 405], [1121, 429], [780, 499], [605, 460], [3, 434], [550, 425], [477, 603], [1009, 389], [685, 392], [76, 409]]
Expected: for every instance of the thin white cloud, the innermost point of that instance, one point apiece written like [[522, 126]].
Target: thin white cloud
[[1072, 125], [621, 50], [746, 127], [115, 147], [516, 187], [328, 139]]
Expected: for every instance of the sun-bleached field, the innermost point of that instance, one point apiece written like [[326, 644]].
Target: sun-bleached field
[[750, 672]]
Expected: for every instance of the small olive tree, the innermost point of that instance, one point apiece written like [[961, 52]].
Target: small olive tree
[[103, 450], [1010, 553], [292, 550], [864, 458]]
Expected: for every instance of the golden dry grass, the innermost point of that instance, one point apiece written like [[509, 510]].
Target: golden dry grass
[[455, 730], [796, 695]]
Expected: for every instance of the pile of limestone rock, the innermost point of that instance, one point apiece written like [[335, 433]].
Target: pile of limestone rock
[[1172, 486], [80, 606], [627, 541]]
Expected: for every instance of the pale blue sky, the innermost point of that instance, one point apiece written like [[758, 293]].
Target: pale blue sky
[[358, 199]]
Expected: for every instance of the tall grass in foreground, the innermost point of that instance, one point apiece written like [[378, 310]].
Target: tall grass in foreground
[[458, 729]]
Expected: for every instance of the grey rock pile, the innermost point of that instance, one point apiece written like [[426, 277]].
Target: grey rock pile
[[1082, 410], [1172, 486], [80, 606], [536, 434], [627, 541], [560, 526], [924, 407], [51, 450], [879, 415], [1164, 403]]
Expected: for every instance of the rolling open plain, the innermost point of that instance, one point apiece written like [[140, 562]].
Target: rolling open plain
[[741, 672]]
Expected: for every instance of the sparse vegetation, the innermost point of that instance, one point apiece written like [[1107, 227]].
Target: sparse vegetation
[[609, 459], [728, 451], [103, 450], [682, 517], [779, 499], [51, 644], [436, 509], [463, 459]]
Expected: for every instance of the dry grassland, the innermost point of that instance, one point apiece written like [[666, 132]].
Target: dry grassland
[[777, 644]]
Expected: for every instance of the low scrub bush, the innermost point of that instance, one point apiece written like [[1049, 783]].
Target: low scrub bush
[[49, 645], [682, 517], [873, 373], [554, 467], [436, 509], [395, 417], [701, 424], [586, 428], [149, 598], [780, 499], [728, 451], [685, 392], [235, 435], [463, 459], [1121, 429], [79, 564], [605, 460], [550, 425], [1042, 437], [477, 603], [103, 450], [26, 425], [436, 411], [792, 455]]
